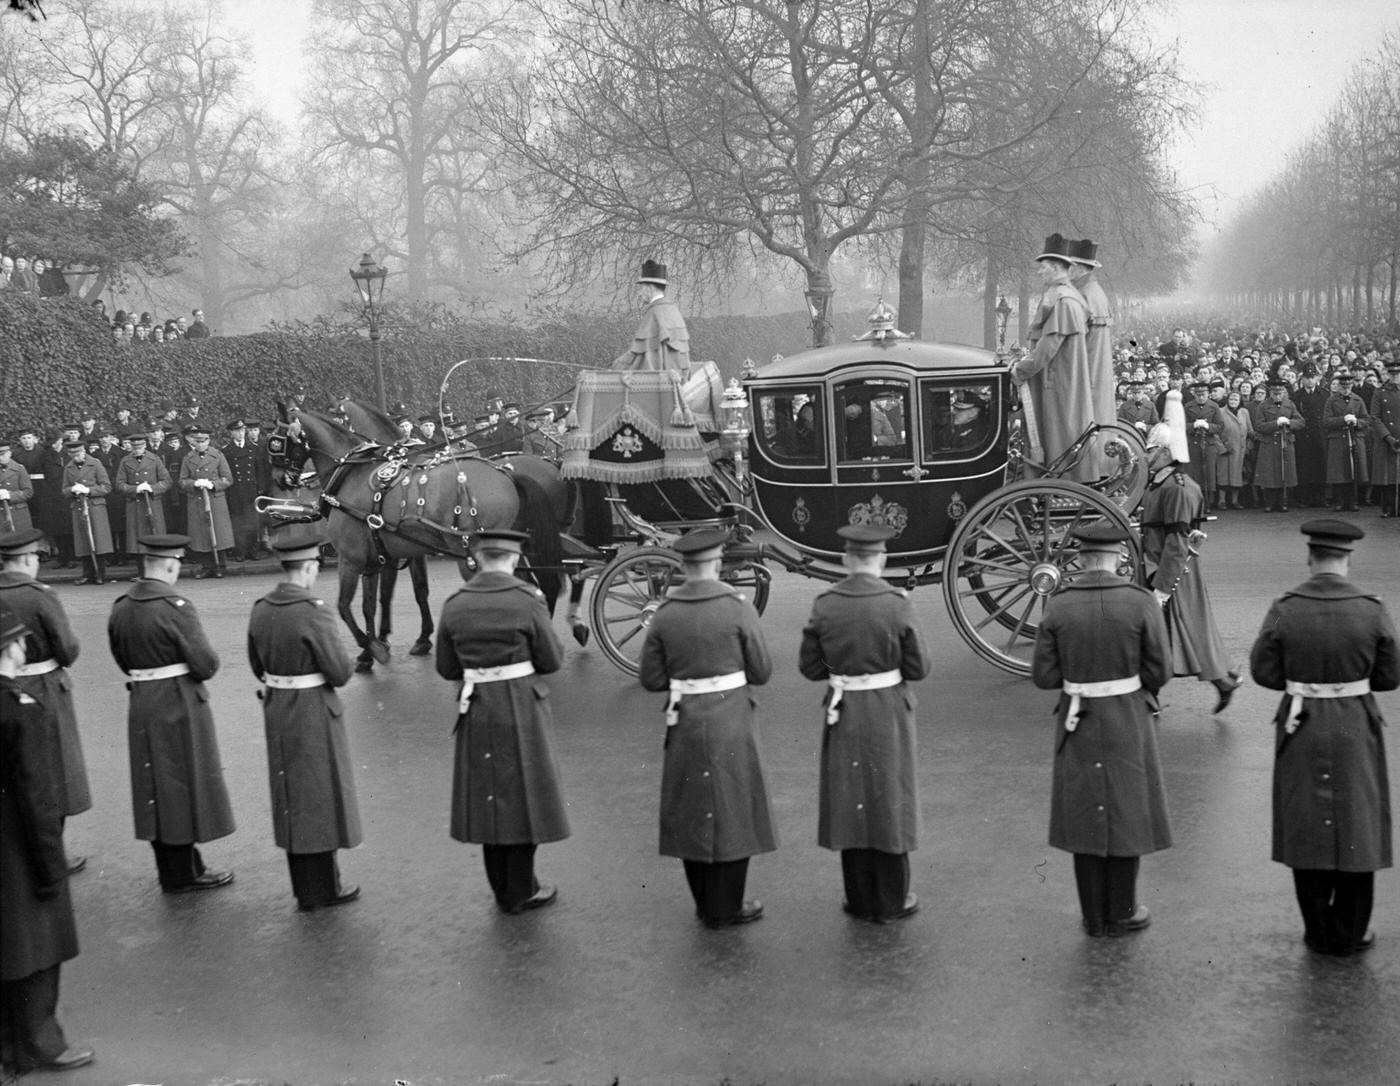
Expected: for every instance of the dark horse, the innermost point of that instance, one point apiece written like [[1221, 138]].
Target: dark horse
[[387, 505]]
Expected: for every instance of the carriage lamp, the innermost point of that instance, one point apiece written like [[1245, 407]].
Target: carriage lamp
[[369, 282], [734, 415], [1003, 315]]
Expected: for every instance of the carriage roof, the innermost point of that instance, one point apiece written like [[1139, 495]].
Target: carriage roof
[[916, 355]]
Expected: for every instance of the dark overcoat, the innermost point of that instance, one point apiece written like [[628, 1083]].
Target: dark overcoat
[[1099, 342], [54, 516], [506, 786], [1344, 456], [1331, 793], [51, 638], [243, 465], [310, 771], [1142, 415], [1205, 441], [869, 760], [1312, 442], [15, 516], [1385, 435], [1057, 373], [36, 913], [1107, 797], [714, 800], [178, 795], [91, 474], [141, 518], [1275, 462], [209, 464]]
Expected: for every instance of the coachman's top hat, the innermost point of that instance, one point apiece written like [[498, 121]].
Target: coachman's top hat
[[652, 272], [1057, 247]]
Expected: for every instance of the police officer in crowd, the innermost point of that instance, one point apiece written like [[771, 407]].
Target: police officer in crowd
[[495, 638], [1385, 447], [87, 484], [294, 649], [1103, 644], [705, 647], [143, 477], [1329, 645], [204, 478], [16, 491], [179, 799], [863, 641], [51, 648], [37, 930]]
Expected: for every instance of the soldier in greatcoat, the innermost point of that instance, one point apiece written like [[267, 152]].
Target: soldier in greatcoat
[[1329, 646], [295, 651], [51, 649], [1347, 424], [143, 477], [1385, 441], [87, 484], [37, 932], [864, 642], [16, 491], [705, 647], [1138, 410], [1203, 428], [539, 439], [243, 458], [496, 639], [1172, 514], [1103, 644], [1276, 422], [1057, 368], [178, 796], [204, 478]]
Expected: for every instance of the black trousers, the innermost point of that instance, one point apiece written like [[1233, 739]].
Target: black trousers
[[177, 865], [315, 877], [1107, 888], [718, 889], [1336, 906], [510, 869], [876, 882], [29, 1029]]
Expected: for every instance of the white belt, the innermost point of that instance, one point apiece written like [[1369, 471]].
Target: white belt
[[1109, 688], [295, 682], [473, 675], [879, 680], [1319, 690], [711, 684], [36, 475], [151, 674], [39, 667]]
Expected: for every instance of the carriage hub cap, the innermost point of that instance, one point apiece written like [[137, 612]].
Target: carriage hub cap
[[1045, 578]]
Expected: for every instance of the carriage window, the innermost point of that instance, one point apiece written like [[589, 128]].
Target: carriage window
[[872, 419], [788, 424], [959, 420]]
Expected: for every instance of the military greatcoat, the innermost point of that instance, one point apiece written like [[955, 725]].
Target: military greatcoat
[[869, 789], [1057, 372], [1346, 456], [506, 786], [714, 801], [1385, 435], [243, 465], [14, 513], [1107, 797], [1275, 464], [310, 772], [36, 913], [209, 464], [178, 794], [1331, 793], [51, 637], [145, 513], [93, 475]]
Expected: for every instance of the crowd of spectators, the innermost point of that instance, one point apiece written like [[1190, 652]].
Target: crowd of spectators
[[32, 275]]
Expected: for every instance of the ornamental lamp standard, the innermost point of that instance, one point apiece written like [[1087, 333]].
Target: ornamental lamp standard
[[818, 295], [369, 282], [734, 425], [1003, 312]]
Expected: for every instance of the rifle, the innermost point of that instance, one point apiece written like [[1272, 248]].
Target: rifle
[[9, 518], [1283, 463], [86, 514], [1351, 462], [213, 534], [149, 513]]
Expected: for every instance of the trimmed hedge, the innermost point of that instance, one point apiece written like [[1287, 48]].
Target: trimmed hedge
[[57, 356]]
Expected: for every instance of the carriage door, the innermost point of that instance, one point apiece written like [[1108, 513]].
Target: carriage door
[[875, 466]]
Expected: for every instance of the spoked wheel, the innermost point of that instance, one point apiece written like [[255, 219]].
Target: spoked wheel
[[1123, 456], [752, 579], [628, 592], [1010, 553]]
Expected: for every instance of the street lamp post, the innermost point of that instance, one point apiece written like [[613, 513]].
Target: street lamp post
[[818, 295], [369, 282], [1003, 315]]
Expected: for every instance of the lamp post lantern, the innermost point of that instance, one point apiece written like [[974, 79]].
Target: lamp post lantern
[[818, 295], [369, 282], [1003, 312]]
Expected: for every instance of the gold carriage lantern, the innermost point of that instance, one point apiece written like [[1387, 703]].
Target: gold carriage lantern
[[734, 414]]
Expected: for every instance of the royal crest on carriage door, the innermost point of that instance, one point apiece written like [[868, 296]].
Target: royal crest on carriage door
[[878, 511]]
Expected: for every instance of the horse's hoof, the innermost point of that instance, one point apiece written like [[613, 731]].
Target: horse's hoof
[[421, 647], [581, 633], [380, 651], [363, 667]]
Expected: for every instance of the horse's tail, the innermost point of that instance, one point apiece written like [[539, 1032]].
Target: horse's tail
[[537, 516]]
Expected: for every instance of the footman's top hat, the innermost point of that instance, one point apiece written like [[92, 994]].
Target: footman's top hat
[[1057, 247], [652, 272], [1085, 252]]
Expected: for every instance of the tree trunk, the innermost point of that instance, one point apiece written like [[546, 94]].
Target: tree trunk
[[911, 268], [989, 305], [212, 300]]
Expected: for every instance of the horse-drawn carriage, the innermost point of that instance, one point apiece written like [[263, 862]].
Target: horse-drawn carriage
[[925, 438]]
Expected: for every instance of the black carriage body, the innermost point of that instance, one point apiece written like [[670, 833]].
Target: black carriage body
[[907, 433]]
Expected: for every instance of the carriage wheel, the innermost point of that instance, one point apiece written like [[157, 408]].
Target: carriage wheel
[[753, 580], [629, 590], [1010, 553], [1124, 454]]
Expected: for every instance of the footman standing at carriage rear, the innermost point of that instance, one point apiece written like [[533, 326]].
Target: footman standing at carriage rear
[[705, 647], [1103, 645], [1329, 646], [204, 477], [294, 650], [178, 795], [496, 639], [863, 641]]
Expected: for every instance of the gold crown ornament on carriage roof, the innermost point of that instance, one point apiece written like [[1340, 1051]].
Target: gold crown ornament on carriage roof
[[882, 325]]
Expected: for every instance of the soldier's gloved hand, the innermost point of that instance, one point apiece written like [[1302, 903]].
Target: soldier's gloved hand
[[1162, 597], [1283, 420], [1350, 420], [1393, 442], [78, 488], [4, 494], [1141, 426], [1201, 424], [204, 484], [143, 488]]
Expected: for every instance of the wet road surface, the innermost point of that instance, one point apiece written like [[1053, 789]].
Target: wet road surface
[[423, 981]]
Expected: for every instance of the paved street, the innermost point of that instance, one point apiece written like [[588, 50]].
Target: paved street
[[992, 982]]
